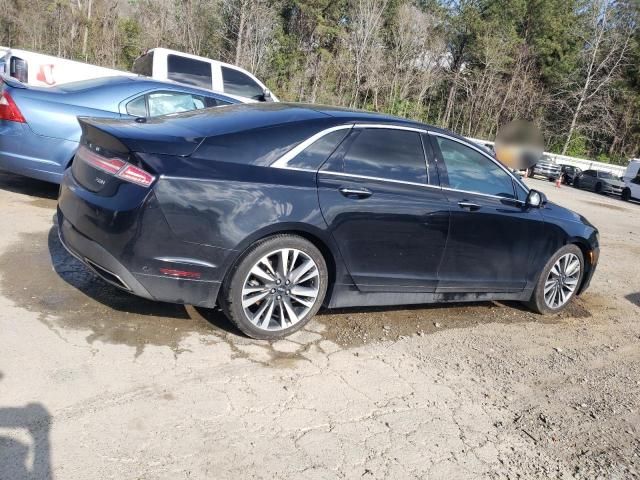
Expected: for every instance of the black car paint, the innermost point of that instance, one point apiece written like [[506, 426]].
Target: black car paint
[[403, 244]]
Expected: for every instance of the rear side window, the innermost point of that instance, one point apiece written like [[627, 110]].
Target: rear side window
[[137, 107], [471, 171], [189, 71], [238, 83], [388, 154], [164, 103], [315, 154]]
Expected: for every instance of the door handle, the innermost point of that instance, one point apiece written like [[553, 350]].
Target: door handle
[[355, 192], [468, 205]]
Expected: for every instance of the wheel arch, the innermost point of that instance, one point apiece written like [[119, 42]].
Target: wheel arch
[[585, 248], [321, 240]]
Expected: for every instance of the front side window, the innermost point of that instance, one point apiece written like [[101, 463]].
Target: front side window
[[164, 103], [388, 154], [189, 71], [471, 171], [238, 83]]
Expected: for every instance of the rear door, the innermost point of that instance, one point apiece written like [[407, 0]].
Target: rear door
[[389, 220], [491, 233]]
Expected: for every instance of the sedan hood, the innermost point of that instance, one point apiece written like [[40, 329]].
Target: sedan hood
[[553, 210]]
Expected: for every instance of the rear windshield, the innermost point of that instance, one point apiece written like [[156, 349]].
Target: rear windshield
[[144, 65]]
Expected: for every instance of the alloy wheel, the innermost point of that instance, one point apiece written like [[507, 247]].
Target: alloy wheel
[[280, 289], [562, 281]]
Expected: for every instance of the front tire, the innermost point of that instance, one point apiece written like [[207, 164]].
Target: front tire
[[626, 194], [576, 183], [276, 287], [559, 281]]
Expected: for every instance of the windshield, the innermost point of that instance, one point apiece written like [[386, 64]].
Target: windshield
[[606, 175]]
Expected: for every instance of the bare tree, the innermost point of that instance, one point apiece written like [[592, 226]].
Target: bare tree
[[607, 43]]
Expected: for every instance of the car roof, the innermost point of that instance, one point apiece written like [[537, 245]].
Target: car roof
[[136, 83]]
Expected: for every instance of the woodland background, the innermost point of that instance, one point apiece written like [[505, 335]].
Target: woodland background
[[571, 66]]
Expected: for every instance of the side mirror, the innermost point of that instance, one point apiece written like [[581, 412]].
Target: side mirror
[[535, 199]]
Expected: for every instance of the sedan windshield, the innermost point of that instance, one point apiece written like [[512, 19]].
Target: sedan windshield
[[606, 175]]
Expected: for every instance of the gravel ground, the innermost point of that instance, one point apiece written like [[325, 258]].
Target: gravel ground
[[96, 384]]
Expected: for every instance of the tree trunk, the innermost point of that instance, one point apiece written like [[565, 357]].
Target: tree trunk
[[241, 21]]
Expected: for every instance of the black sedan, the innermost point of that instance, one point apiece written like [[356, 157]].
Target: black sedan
[[569, 174], [272, 210]]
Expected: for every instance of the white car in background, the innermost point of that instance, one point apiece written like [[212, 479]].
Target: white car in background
[[41, 70], [631, 179], [165, 64]]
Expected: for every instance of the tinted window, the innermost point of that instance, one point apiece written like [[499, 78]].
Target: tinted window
[[590, 173], [137, 107], [237, 83], [314, 155], [188, 70], [389, 154], [144, 65], [469, 170], [163, 103]]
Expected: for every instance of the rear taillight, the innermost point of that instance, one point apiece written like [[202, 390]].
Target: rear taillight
[[115, 166], [9, 110]]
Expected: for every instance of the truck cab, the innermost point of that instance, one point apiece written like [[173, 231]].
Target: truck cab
[[165, 64]]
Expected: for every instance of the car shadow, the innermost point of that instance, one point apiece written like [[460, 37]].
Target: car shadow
[[28, 186], [79, 276], [35, 419], [634, 298]]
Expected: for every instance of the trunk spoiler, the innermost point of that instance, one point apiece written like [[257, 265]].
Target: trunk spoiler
[[142, 135]]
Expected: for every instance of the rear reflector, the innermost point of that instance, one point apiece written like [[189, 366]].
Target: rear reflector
[[179, 273], [115, 166], [9, 110]]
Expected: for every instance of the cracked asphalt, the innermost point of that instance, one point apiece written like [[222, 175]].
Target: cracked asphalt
[[97, 384]]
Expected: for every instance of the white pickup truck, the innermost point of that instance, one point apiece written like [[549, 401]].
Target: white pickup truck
[[159, 63]]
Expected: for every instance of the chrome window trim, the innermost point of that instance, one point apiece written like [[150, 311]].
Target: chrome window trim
[[291, 154], [380, 179], [479, 150], [390, 127]]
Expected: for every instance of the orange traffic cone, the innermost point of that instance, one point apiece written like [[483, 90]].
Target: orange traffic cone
[[558, 182]]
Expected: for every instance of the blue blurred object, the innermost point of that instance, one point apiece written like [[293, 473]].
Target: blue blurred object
[[39, 130]]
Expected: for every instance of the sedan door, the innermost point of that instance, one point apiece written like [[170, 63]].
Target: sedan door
[[492, 234], [388, 221]]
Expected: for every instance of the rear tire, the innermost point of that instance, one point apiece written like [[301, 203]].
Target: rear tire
[[558, 282], [276, 287], [626, 194]]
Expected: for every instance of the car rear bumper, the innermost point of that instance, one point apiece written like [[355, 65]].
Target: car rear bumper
[[154, 287]]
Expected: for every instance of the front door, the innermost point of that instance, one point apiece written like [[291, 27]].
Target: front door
[[491, 233], [388, 221]]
